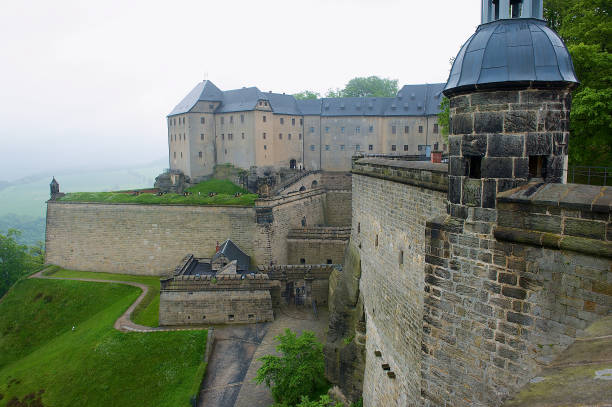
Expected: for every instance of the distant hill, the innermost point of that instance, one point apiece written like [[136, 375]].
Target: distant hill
[[22, 202]]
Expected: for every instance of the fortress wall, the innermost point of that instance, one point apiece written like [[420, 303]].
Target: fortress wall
[[143, 239], [389, 216], [316, 251], [338, 207], [336, 180], [508, 290]]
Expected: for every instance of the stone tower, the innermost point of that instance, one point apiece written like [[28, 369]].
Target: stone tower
[[509, 91]]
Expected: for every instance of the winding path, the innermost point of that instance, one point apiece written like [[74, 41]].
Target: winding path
[[124, 323]]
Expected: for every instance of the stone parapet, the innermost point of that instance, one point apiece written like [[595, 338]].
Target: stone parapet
[[418, 173], [320, 233], [219, 282], [302, 271]]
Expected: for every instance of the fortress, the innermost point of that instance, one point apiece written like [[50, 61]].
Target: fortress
[[462, 284]]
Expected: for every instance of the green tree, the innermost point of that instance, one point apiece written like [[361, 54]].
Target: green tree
[[307, 94], [586, 28], [298, 372], [372, 86], [334, 93], [444, 118], [16, 260]]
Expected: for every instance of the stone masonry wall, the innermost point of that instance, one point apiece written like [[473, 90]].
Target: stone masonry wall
[[389, 231], [507, 290], [319, 245], [338, 207], [144, 239]]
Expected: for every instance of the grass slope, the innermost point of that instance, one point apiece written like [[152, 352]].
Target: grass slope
[[225, 196], [42, 358], [146, 313]]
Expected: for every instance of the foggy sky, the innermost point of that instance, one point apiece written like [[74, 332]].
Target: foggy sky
[[87, 84]]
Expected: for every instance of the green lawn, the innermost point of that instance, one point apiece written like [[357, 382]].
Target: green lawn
[[225, 196], [43, 358], [146, 313]]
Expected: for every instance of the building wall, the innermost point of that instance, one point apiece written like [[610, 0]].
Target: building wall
[[144, 239], [317, 245], [312, 142], [215, 307], [338, 207], [389, 218], [236, 138], [287, 140]]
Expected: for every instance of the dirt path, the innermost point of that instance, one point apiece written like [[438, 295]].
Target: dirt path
[[124, 323]]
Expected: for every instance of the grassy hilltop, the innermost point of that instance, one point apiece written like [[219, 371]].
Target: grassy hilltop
[[44, 362]]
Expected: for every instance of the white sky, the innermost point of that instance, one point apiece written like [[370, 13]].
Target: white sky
[[89, 83]]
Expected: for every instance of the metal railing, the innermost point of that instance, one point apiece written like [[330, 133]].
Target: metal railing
[[589, 175]]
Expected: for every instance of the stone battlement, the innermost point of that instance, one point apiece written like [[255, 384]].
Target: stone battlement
[[320, 233], [301, 271], [418, 173]]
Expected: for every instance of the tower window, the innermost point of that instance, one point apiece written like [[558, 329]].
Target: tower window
[[516, 7], [401, 257], [537, 166], [420, 129], [475, 163], [264, 119], [293, 122], [202, 120]]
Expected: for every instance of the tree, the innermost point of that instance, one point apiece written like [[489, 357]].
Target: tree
[[334, 93], [307, 94], [444, 118], [372, 86], [298, 372], [16, 260], [586, 28]]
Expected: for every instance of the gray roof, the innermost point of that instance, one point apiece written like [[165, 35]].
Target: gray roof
[[233, 252], [511, 51], [411, 100], [204, 91]]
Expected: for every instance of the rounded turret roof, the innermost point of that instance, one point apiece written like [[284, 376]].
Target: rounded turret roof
[[508, 53]]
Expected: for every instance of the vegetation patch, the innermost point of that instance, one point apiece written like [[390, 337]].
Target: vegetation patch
[[167, 199], [146, 313], [69, 348]]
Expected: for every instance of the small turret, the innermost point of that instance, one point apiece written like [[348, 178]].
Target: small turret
[[54, 186], [493, 10]]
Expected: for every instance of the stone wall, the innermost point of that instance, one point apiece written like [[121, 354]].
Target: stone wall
[[391, 202], [317, 245], [507, 290], [338, 207], [145, 239], [193, 300]]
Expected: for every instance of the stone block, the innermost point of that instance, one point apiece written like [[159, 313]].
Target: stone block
[[497, 167], [507, 278], [520, 319], [459, 101], [489, 194], [454, 189], [514, 292], [471, 192], [458, 166], [585, 228], [554, 120], [538, 144], [494, 98], [474, 145], [508, 354], [454, 145], [521, 168], [500, 145], [462, 124], [520, 121], [489, 122]]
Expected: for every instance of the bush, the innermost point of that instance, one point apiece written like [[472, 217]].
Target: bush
[[298, 372]]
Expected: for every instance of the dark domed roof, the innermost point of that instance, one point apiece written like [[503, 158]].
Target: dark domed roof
[[510, 52]]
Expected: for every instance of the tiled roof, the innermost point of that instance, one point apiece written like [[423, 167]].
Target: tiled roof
[[233, 252]]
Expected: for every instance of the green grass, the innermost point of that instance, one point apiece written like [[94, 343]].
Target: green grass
[[219, 186], [168, 199], [94, 365], [146, 313]]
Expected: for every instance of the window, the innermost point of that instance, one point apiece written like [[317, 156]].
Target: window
[[405, 147], [358, 227], [222, 136], [357, 129], [251, 316], [202, 136], [474, 170], [406, 129], [264, 136], [393, 147], [357, 147], [435, 129], [341, 146], [370, 147], [301, 122], [175, 154], [211, 106], [302, 261], [230, 317], [326, 147], [174, 121], [265, 147], [312, 147], [436, 146], [312, 129], [326, 129], [280, 136], [329, 261], [292, 121], [202, 120], [300, 136], [371, 129], [241, 118], [282, 120], [537, 166], [181, 154], [342, 129], [393, 130], [289, 136], [200, 154], [243, 136], [223, 120], [420, 129], [231, 119], [264, 119], [225, 151], [401, 257], [376, 241]]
